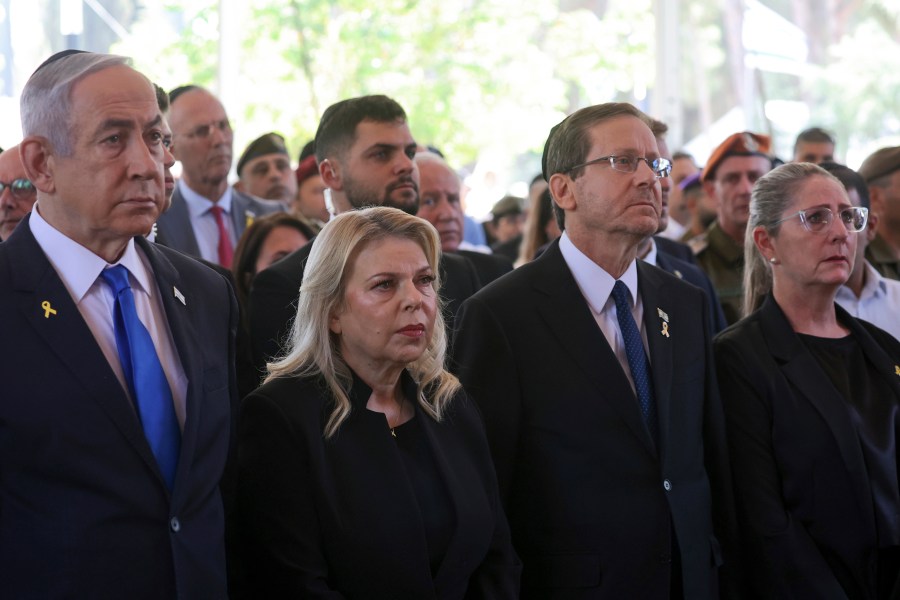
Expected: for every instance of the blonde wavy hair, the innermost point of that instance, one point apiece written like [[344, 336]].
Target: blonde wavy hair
[[315, 351]]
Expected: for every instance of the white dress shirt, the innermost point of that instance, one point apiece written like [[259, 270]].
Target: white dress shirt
[[79, 269], [203, 222], [878, 302], [596, 286]]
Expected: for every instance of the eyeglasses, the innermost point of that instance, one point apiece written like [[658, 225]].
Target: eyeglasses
[[819, 219], [19, 188], [661, 167], [203, 131]]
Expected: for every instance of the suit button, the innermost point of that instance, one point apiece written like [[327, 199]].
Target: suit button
[[667, 485], [174, 524]]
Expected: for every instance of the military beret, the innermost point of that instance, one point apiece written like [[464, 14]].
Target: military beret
[[738, 144], [269, 143], [690, 181], [881, 162], [508, 205], [307, 168]]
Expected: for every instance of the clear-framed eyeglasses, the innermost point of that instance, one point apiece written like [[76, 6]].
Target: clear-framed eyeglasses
[[820, 218], [661, 167]]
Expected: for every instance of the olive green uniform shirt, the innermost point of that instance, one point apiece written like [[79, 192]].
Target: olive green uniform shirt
[[723, 261], [885, 261]]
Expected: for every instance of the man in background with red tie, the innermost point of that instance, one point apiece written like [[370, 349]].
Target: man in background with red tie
[[207, 216], [594, 374], [117, 358]]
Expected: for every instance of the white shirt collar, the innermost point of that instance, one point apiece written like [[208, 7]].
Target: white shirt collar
[[596, 284], [77, 266], [651, 255], [199, 205]]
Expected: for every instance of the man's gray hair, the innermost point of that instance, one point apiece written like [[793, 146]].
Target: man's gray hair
[[46, 100]]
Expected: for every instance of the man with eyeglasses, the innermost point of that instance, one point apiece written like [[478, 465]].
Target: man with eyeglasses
[[728, 177], [17, 194], [593, 372], [207, 216]]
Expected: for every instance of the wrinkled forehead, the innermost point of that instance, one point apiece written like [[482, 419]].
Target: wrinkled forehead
[[623, 134], [738, 164], [196, 107], [433, 174]]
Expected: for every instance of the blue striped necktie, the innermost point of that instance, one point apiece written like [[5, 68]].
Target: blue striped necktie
[[637, 358], [144, 375]]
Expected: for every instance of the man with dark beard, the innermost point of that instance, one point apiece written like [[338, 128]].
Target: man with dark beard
[[365, 153]]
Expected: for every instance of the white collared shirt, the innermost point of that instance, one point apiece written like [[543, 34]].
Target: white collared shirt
[[79, 269], [878, 302], [203, 222], [596, 286]]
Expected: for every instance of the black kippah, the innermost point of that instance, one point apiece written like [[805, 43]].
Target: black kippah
[[58, 56]]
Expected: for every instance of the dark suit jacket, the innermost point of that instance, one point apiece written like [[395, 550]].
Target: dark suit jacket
[[694, 275], [174, 226], [274, 293], [84, 511], [803, 497], [337, 518], [592, 503], [676, 249], [488, 266]]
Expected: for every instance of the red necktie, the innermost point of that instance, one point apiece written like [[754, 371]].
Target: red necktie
[[226, 252]]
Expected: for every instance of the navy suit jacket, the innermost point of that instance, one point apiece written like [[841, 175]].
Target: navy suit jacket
[[174, 226], [592, 502], [84, 511], [693, 274], [803, 495]]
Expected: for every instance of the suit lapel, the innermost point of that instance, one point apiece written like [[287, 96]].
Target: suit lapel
[[657, 308], [68, 337], [803, 372], [242, 214], [569, 319], [175, 226]]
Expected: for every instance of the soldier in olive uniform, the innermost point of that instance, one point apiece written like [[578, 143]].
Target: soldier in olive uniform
[[728, 178], [881, 170]]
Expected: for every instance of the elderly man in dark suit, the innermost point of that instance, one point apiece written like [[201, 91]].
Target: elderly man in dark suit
[[365, 152], [594, 374], [207, 216], [118, 378]]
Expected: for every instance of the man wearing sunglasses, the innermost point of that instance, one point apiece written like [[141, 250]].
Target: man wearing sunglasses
[[593, 372], [207, 216], [17, 194]]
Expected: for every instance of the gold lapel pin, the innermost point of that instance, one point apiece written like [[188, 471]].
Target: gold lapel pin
[[179, 295], [249, 217], [48, 310], [665, 321], [897, 369]]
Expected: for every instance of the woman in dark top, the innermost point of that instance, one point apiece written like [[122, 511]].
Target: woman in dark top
[[812, 402], [363, 467]]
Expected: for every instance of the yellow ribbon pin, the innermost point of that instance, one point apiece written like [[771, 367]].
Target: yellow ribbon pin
[[897, 369], [48, 310], [665, 329]]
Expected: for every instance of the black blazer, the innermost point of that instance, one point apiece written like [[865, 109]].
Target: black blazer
[[592, 503], [84, 511], [337, 518], [274, 293], [804, 500], [488, 266], [693, 274]]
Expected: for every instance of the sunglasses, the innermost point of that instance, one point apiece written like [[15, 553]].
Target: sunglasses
[[19, 188]]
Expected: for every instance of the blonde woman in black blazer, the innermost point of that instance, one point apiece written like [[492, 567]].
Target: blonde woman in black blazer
[[812, 402], [364, 469]]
